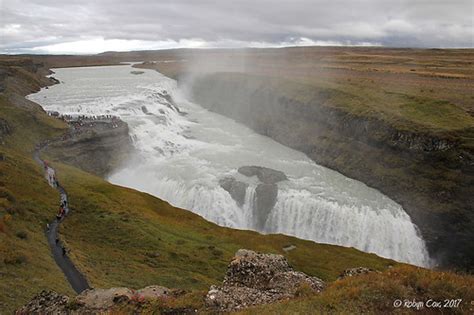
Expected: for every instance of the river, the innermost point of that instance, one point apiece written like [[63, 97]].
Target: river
[[181, 155]]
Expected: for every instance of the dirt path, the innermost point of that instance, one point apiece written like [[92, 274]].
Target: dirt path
[[76, 279]]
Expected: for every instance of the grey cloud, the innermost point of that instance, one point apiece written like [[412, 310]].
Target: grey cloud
[[27, 24]]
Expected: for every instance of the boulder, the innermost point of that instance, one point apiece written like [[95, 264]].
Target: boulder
[[265, 175], [265, 199], [46, 302], [254, 270], [254, 279], [102, 299], [235, 188], [153, 292]]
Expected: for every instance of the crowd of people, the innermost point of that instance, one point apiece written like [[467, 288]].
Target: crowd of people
[[63, 204], [82, 123]]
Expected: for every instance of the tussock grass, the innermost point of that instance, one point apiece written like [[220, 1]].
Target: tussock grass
[[375, 293]]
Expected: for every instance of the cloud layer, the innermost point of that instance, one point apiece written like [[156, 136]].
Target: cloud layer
[[72, 26]]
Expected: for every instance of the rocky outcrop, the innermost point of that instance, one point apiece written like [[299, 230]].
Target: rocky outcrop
[[92, 301], [235, 188], [96, 147], [266, 192], [255, 279], [265, 175], [46, 302], [265, 199]]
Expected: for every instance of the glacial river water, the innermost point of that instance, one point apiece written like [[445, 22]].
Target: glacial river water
[[181, 158]]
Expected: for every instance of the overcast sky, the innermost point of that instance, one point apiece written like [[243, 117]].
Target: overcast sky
[[92, 26]]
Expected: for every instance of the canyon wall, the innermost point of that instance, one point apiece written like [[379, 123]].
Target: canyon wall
[[429, 174]]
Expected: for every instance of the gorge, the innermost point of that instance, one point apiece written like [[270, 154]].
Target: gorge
[[185, 154]]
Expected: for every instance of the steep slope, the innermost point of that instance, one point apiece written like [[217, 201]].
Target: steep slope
[[27, 202]]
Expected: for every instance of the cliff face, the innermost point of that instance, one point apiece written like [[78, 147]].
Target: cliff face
[[428, 173], [99, 148]]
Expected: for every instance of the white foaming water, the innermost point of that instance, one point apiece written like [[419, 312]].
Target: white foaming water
[[181, 158]]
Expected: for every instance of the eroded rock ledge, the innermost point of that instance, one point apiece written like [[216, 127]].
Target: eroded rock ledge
[[256, 279], [96, 146]]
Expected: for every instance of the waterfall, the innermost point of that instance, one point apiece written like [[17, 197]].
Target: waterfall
[[387, 232], [184, 151]]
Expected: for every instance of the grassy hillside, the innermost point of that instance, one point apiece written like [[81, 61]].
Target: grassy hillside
[[27, 203]]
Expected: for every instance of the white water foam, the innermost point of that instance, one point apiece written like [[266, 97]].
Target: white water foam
[[181, 158]]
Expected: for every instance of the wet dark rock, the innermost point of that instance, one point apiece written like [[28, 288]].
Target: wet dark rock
[[53, 80], [265, 199], [98, 148], [265, 175], [255, 279], [145, 110], [235, 188]]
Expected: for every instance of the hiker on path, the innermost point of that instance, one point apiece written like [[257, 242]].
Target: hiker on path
[[60, 213]]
